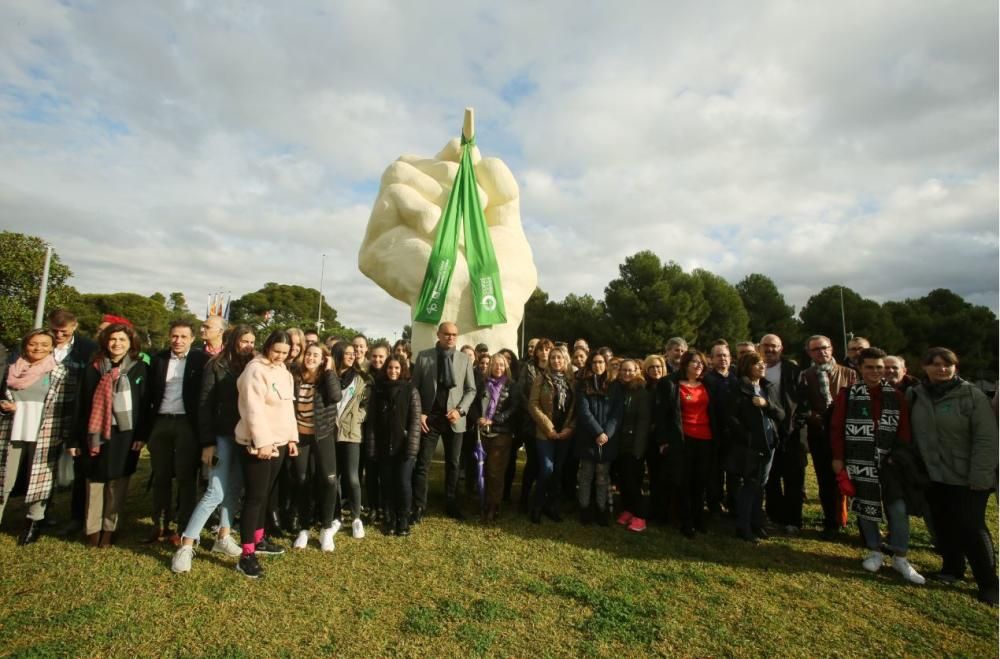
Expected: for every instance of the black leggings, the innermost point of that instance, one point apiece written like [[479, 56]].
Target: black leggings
[[258, 480], [317, 459], [630, 470], [959, 515], [348, 457]]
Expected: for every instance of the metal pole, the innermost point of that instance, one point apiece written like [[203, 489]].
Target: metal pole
[[524, 329], [319, 311], [843, 320], [44, 291]]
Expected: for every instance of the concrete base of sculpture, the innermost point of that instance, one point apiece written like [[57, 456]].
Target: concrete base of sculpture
[[401, 232]]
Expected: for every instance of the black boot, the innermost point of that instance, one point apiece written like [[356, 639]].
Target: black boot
[[402, 526], [273, 525], [585, 516], [455, 511], [31, 533]]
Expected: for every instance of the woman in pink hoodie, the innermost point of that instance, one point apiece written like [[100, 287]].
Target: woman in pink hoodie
[[267, 431]]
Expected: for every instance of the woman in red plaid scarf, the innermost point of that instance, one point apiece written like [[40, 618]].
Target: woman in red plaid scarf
[[113, 396]]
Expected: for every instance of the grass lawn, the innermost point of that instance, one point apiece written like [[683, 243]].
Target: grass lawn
[[459, 589]]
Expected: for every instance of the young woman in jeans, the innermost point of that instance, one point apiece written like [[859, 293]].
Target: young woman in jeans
[[266, 432], [218, 414]]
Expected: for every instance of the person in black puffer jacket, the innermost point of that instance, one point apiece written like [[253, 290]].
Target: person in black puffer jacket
[[393, 441], [317, 392], [753, 413], [632, 437], [218, 413]]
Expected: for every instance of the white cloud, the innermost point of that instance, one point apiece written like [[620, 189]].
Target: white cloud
[[222, 145]]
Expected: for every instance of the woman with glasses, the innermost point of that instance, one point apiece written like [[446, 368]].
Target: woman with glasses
[[686, 430]]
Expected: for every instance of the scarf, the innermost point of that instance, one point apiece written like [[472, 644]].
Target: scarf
[[823, 377], [937, 390], [446, 367], [112, 401], [597, 384], [561, 388], [23, 374], [494, 386], [348, 387], [865, 446]]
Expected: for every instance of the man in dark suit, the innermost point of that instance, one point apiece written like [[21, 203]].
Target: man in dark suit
[[788, 470], [171, 429], [445, 397]]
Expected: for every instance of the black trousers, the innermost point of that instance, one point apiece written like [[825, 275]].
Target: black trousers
[[630, 471], [696, 469], [784, 485], [259, 477], [530, 472], [452, 453], [396, 476], [959, 515], [829, 493]]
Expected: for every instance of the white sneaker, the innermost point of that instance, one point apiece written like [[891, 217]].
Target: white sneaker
[[182, 559], [227, 546], [873, 562], [301, 540], [336, 525], [357, 529], [901, 565], [326, 539]]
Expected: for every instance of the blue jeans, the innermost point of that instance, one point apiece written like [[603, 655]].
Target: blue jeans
[[899, 529], [551, 456], [750, 498], [224, 486]]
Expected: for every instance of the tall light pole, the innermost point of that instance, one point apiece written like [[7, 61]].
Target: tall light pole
[[843, 321], [44, 290], [319, 310]]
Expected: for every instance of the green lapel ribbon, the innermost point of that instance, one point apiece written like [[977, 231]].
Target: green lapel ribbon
[[484, 272]]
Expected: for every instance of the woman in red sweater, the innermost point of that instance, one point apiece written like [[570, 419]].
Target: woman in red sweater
[[685, 431]]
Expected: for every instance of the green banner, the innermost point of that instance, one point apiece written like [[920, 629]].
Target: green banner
[[484, 272]]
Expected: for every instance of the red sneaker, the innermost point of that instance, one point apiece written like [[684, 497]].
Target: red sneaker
[[637, 525], [625, 518]]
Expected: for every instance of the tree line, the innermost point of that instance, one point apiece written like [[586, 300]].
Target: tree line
[[647, 303], [651, 301]]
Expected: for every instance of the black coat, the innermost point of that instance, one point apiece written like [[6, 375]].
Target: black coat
[[508, 405], [633, 433], [326, 395], [669, 426], [749, 442], [116, 459], [393, 422], [218, 409], [194, 368]]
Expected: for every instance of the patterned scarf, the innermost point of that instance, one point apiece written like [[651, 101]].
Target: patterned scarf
[[494, 386], [823, 372], [865, 447], [112, 400], [23, 374]]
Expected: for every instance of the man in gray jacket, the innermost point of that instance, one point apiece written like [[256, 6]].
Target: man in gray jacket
[[443, 376]]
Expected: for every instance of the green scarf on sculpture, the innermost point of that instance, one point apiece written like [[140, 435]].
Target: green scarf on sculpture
[[484, 273]]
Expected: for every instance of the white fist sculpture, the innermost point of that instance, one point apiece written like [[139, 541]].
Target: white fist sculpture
[[401, 231]]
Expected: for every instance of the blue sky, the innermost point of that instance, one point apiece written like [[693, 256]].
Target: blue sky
[[217, 146]]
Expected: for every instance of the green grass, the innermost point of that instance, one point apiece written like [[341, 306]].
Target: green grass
[[456, 589]]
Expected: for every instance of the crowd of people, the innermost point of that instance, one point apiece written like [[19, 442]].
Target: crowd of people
[[308, 434]]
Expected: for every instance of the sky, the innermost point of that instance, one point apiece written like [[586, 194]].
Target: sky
[[215, 146]]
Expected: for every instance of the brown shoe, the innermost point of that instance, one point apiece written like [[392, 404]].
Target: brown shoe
[[173, 539], [93, 539], [157, 535], [106, 538]]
